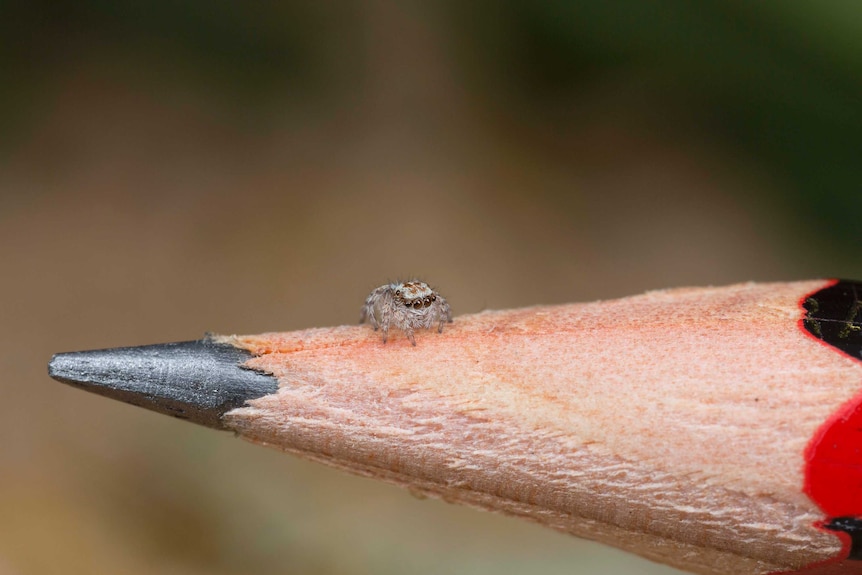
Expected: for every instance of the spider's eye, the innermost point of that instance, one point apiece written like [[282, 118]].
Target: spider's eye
[[398, 292], [426, 301], [417, 304], [433, 298]]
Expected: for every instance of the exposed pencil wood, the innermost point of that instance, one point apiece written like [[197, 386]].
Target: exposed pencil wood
[[672, 424]]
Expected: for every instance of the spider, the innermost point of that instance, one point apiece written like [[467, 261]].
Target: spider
[[406, 305]]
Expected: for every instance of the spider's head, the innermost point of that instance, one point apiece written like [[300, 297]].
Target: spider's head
[[415, 294]]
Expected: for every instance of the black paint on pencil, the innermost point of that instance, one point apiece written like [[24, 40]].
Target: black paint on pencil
[[834, 315], [852, 526]]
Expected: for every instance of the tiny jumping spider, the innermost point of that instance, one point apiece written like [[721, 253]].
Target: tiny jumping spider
[[407, 305]]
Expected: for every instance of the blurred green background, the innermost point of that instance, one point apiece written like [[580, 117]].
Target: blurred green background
[[175, 167]]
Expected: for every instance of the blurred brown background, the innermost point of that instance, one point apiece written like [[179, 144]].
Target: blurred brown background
[[175, 167]]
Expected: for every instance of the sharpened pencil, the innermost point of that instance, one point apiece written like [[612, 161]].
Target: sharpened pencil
[[712, 429]]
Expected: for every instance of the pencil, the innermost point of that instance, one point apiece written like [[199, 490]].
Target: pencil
[[717, 430]]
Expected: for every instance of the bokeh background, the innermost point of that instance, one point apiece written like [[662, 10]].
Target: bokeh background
[[180, 166]]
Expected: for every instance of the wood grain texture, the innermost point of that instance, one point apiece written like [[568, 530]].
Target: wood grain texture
[[671, 424]]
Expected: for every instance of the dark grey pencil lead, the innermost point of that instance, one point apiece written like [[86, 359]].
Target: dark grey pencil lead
[[194, 380]]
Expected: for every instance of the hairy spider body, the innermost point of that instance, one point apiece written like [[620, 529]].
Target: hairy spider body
[[407, 306]]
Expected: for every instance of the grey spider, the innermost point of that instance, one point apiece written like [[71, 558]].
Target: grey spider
[[406, 305]]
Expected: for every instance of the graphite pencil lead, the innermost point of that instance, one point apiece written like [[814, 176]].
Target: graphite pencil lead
[[198, 381]]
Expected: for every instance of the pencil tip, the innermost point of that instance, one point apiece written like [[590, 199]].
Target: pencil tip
[[195, 380]]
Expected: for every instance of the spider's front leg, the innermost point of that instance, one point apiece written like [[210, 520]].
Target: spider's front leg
[[445, 313], [372, 307], [367, 313], [385, 320]]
